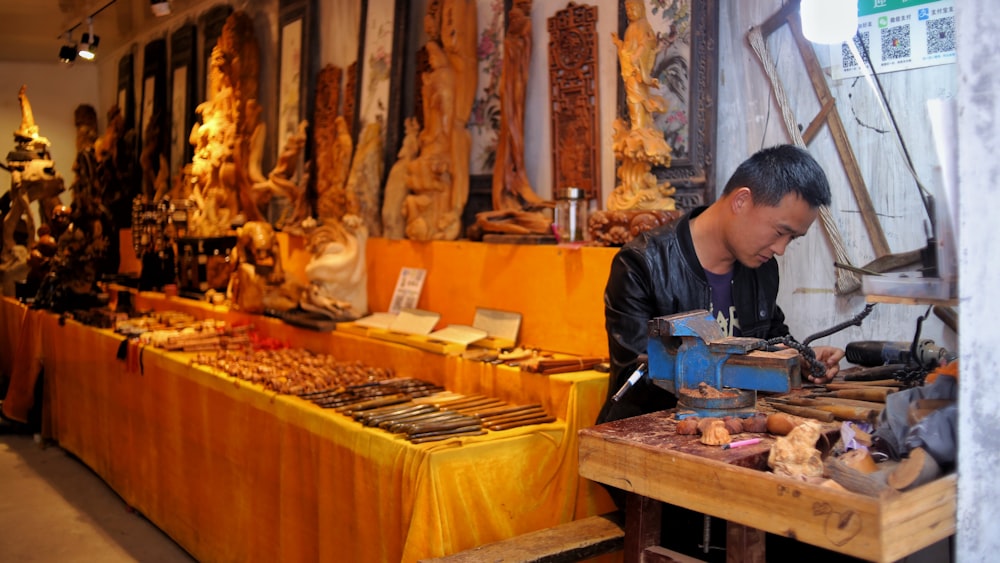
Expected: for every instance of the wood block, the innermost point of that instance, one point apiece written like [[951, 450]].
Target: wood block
[[572, 541]]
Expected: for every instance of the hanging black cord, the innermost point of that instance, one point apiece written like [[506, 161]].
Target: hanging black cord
[[92, 16], [856, 321], [924, 195]]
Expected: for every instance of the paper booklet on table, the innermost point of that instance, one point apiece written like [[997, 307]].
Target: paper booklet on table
[[501, 327], [365, 325], [408, 324]]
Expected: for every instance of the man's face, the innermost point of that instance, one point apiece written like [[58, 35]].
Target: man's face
[[761, 232]]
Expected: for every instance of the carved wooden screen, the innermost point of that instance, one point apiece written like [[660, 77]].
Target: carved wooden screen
[[573, 95]]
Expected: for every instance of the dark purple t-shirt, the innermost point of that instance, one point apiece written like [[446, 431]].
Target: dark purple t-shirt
[[722, 302]]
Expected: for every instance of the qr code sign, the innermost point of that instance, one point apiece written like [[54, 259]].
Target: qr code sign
[[861, 42], [941, 35], [896, 43]]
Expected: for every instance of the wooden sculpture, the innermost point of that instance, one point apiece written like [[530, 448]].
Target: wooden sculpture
[[32, 176], [337, 273], [258, 283], [332, 146], [393, 222], [516, 207], [638, 145], [363, 184], [219, 174], [437, 179]]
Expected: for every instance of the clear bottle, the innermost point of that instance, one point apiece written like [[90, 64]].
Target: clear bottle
[[571, 214]]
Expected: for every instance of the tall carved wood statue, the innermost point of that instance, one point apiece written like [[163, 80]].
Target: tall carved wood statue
[[32, 176], [438, 178], [516, 207], [333, 146], [638, 145], [393, 222], [363, 181], [219, 174]]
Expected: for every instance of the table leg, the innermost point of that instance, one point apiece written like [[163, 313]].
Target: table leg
[[642, 525], [744, 544]]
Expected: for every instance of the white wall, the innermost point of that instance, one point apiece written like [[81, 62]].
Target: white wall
[[979, 168]]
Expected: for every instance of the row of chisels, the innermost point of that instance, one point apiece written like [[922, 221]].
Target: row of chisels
[[444, 415]]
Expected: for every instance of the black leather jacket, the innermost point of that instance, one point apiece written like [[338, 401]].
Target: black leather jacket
[[656, 274]]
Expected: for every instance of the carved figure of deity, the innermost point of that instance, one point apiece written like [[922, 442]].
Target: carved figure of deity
[[438, 178], [638, 145]]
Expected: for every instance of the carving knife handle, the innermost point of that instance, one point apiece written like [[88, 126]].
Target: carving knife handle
[[636, 376]]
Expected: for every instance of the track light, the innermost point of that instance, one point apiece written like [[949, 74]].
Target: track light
[[160, 8], [89, 42], [829, 21], [67, 53]]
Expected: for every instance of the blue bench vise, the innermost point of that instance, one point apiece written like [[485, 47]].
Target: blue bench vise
[[713, 375]]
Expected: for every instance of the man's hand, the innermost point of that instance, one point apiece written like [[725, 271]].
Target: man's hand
[[830, 356]]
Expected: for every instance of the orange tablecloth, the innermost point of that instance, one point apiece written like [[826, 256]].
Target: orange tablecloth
[[236, 473]]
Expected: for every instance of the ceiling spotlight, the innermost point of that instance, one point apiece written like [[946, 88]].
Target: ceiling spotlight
[[829, 21], [160, 8], [67, 53], [89, 42]]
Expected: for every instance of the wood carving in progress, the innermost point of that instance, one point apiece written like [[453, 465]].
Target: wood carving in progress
[[638, 145], [517, 209]]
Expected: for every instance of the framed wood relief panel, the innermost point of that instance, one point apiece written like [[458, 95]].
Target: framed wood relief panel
[[686, 67], [183, 73], [383, 40]]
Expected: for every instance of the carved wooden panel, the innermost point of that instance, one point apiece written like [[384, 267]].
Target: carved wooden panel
[[573, 95]]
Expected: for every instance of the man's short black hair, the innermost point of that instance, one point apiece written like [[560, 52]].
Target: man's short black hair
[[777, 171]]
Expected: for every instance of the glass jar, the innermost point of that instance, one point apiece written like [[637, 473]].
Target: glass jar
[[571, 214]]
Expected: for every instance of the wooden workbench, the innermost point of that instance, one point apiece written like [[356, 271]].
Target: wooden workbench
[[641, 455]]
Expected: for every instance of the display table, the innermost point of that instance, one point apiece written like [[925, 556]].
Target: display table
[[628, 455], [233, 472]]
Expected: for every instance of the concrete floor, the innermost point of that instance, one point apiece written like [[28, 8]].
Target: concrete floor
[[54, 508]]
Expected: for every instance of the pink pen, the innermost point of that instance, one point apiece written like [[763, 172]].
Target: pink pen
[[741, 443]]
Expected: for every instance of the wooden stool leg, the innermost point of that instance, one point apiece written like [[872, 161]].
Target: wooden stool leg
[[743, 544], [642, 525]]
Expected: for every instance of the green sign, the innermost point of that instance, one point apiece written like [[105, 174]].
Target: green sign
[[869, 7]]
